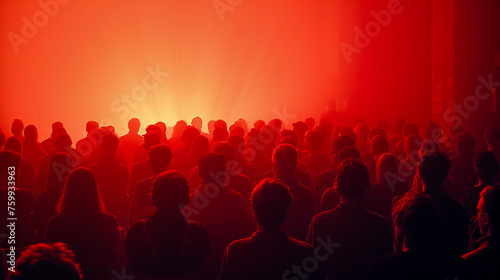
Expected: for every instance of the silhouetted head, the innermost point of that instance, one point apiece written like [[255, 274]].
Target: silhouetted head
[[9, 159], [57, 131], [109, 144], [134, 124], [412, 143], [200, 147], [212, 168], [31, 133], [220, 124], [353, 179], [170, 191], [410, 128], [488, 211], [486, 166], [288, 140], [270, 201], [434, 169], [150, 139], [81, 196], [362, 130], [387, 168], [62, 142], [91, 125], [492, 137], [179, 128], [259, 124], [349, 152], [14, 144], [162, 126], [189, 134], [238, 143], [236, 130], [465, 144], [341, 143], [153, 128], [433, 131], [347, 131], [310, 123], [289, 133], [211, 126], [276, 125], [224, 148], [378, 146], [159, 158], [417, 222], [17, 127], [197, 122], [397, 127], [60, 167], [376, 131], [314, 140], [284, 160], [300, 128], [47, 261], [220, 134]]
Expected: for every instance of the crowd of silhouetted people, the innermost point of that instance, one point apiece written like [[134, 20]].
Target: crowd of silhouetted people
[[310, 201]]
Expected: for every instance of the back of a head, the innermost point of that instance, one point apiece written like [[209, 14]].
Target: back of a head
[[362, 130], [81, 197], [314, 140], [110, 143], [220, 124], [57, 125], [134, 124], [212, 167], [220, 134], [433, 131], [397, 126], [492, 136], [285, 159], [434, 169], [236, 130], [224, 148], [62, 142], [91, 125], [276, 125], [9, 159], [300, 127], [259, 124], [341, 143], [379, 145], [387, 165], [310, 122], [353, 179], [200, 146], [489, 204], [60, 167], [170, 191], [465, 144], [56, 131], [153, 128], [376, 132], [31, 133], [197, 122], [179, 128], [270, 201], [189, 134], [349, 152], [44, 261], [14, 144], [159, 157], [237, 142], [486, 166], [17, 127], [150, 139], [416, 219], [412, 144], [410, 128], [162, 126]]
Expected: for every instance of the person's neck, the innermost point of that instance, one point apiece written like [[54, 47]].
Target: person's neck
[[431, 189], [268, 228]]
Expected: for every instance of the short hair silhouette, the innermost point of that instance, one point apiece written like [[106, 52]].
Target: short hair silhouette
[[17, 127], [465, 143], [150, 139], [486, 166], [342, 142], [81, 197], [110, 143], [159, 157], [170, 191], [433, 131], [224, 148], [270, 201], [434, 169], [31, 133], [387, 165], [285, 159], [212, 167], [14, 144], [91, 125], [314, 140], [62, 142], [7, 159], [134, 124], [410, 128], [353, 179], [47, 261], [197, 122], [379, 145], [349, 152], [153, 128]]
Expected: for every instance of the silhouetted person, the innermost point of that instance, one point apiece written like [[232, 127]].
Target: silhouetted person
[[166, 243], [269, 253], [418, 228], [433, 170], [159, 158], [396, 133], [89, 232], [482, 263], [44, 261], [142, 169], [433, 132], [89, 145], [57, 127], [412, 144], [178, 129], [315, 162], [362, 130], [141, 152], [32, 150], [181, 150], [462, 170], [163, 132], [378, 146], [47, 201], [399, 150], [10, 163], [247, 167], [130, 141], [26, 179], [262, 162], [199, 148], [17, 129], [62, 144], [302, 208], [220, 209], [361, 235]]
